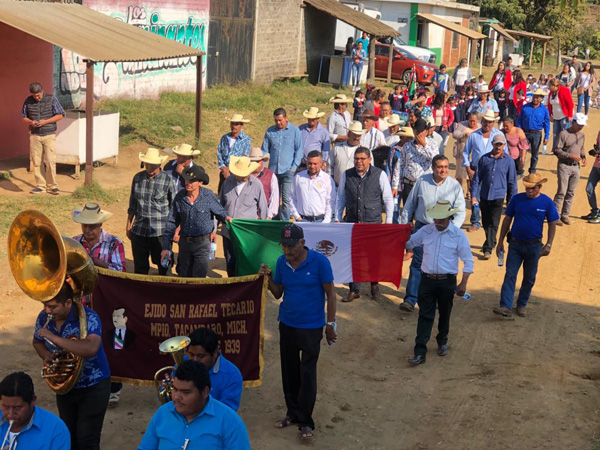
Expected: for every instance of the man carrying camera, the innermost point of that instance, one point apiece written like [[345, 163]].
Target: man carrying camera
[[590, 188], [569, 150]]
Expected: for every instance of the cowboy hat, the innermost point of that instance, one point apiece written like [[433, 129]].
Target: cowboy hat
[[185, 150], [256, 155], [430, 122], [238, 118], [405, 132], [313, 113], [483, 89], [196, 173], [393, 120], [91, 214], [540, 92], [441, 210], [489, 116], [369, 114], [533, 179], [356, 128], [152, 156], [340, 98], [242, 166]]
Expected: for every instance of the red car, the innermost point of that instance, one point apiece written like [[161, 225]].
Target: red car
[[402, 65]]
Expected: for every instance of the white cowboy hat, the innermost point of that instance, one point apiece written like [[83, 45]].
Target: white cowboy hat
[[340, 98], [483, 89], [238, 118], [152, 156], [91, 214], [242, 166], [185, 150], [356, 128], [256, 155], [489, 116], [441, 210], [393, 120], [313, 113], [540, 92], [405, 132]]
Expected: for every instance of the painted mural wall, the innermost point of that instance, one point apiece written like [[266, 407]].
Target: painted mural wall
[[184, 21]]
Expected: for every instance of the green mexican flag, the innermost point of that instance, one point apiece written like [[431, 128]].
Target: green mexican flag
[[255, 242]]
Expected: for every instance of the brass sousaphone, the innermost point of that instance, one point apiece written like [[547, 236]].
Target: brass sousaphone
[[40, 260], [163, 381]]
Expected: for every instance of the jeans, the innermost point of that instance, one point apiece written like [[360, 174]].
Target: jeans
[[299, 352], [414, 277], [82, 411], [584, 99], [229, 256], [534, 138], [356, 71], [491, 211], [144, 247], [285, 190], [193, 258], [512, 109], [557, 127], [518, 254], [590, 188], [434, 293], [443, 134], [568, 178]]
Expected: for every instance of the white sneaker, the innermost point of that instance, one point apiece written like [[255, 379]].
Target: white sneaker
[[114, 398]]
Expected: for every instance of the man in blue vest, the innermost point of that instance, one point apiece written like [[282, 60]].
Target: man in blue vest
[[40, 112]]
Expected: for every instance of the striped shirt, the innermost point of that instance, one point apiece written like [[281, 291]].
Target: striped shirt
[[109, 249], [150, 202]]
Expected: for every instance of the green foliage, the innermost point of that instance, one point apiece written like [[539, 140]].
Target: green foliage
[[510, 12], [97, 193]]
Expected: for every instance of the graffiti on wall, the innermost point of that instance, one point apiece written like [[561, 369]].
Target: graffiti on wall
[[129, 78]]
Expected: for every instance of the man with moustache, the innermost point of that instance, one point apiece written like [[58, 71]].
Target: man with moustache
[[313, 192]]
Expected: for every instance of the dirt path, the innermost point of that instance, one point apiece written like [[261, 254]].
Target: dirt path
[[506, 384]]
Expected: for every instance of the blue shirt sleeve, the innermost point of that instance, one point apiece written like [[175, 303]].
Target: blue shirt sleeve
[[510, 209], [236, 435], [277, 279], [519, 123], [93, 322], [265, 145], [551, 213], [24, 110], [512, 188], [56, 107], [467, 150], [546, 123], [475, 182], [298, 152], [38, 325], [325, 270], [221, 152]]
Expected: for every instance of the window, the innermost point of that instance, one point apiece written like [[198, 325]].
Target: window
[[454, 40]]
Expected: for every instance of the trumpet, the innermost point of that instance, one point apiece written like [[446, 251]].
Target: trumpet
[[163, 379]]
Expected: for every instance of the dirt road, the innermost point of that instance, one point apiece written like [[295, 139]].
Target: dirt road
[[525, 383]]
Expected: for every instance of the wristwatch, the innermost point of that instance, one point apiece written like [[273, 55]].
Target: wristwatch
[[331, 324]]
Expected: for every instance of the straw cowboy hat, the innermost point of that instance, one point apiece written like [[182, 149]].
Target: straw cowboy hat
[[242, 166], [483, 89], [533, 179], [340, 98], [489, 116], [152, 156], [394, 120], [185, 150], [238, 118], [356, 128], [313, 113], [540, 92], [441, 210], [256, 155], [405, 132], [91, 214]]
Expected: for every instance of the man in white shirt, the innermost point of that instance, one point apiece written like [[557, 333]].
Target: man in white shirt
[[341, 158], [385, 111], [313, 192], [339, 120], [443, 245], [372, 137]]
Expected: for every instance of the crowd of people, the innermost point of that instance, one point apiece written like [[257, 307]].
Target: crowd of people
[[384, 164]]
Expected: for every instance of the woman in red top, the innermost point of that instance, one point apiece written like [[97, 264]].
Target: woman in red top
[[560, 107], [502, 79], [517, 84], [443, 117]]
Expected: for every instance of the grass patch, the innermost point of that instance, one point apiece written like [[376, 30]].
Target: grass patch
[[4, 175]]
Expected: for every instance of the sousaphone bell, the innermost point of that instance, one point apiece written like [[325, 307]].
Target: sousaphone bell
[[163, 379]]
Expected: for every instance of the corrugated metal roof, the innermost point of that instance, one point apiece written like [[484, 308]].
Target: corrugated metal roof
[[91, 34], [502, 31], [452, 26], [539, 37], [352, 17]]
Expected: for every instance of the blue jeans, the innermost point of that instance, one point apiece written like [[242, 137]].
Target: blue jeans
[[557, 127], [356, 71], [443, 134], [518, 254], [414, 277], [476, 210], [590, 188], [584, 99], [285, 189], [534, 138]]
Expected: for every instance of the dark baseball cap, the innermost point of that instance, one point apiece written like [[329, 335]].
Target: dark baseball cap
[[291, 234], [420, 126], [195, 173]]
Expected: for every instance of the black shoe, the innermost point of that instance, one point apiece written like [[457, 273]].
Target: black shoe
[[443, 350], [417, 359], [405, 306], [591, 216], [36, 190]]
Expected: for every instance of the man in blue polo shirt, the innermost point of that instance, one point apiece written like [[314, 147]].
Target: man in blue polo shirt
[[83, 407], [533, 118], [528, 210], [25, 425], [194, 420], [225, 378], [304, 277]]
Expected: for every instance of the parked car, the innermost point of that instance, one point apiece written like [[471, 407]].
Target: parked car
[[420, 53], [402, 65]]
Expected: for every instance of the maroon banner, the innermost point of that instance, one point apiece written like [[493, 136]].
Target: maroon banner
[[146, 310]]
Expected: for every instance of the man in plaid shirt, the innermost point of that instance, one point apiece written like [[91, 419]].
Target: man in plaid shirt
[[149, 205], [236, 143]]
